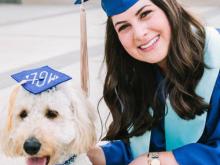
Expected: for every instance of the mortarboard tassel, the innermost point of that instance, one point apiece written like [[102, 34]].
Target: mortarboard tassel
[[84, 69]]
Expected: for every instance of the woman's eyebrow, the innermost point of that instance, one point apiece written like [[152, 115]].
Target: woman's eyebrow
[[119, 22], [138, 12]]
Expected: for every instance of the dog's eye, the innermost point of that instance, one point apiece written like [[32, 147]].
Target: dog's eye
[[23, 114], [51, 114]]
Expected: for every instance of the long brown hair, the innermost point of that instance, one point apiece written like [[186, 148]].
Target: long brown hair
[[131, 86]]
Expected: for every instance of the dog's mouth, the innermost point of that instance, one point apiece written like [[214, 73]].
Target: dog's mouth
[[38, 160]]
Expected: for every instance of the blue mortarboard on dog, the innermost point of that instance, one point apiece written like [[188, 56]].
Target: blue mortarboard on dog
[[40, 79]]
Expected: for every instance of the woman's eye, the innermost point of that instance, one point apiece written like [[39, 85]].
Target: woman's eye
[[123, 27], [145, 13]]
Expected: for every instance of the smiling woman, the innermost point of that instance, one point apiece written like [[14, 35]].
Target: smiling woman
[[159, 61], [144, 32]]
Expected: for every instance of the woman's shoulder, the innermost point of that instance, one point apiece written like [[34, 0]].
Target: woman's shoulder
[[212, 47], [212, 30], [212, 35]]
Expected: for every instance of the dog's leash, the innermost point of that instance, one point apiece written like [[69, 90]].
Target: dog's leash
[[69, 161]]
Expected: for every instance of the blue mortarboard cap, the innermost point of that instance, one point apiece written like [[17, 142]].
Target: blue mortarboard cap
[[114, 7], [40, 79]]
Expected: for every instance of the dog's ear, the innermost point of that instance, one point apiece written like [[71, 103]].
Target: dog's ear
[[82, 102], [7, 101], [11, 104], [85, 120]]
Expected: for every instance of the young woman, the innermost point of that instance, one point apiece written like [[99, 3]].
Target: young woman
[[162, 86]]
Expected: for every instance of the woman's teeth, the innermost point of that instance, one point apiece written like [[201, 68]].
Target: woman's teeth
[[150, 43]]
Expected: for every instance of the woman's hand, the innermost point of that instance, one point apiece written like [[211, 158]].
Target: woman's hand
[[96, 156]]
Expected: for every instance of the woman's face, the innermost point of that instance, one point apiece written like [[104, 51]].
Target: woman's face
[[144, 32]]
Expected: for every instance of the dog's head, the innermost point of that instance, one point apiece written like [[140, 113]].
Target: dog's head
[[48, 126]]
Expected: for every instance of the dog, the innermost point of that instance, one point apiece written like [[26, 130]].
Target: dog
[[55, 127]]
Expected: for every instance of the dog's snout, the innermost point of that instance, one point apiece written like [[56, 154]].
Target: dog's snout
[[32, 146]]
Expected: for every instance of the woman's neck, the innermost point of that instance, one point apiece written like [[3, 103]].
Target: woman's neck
[[163, 66]]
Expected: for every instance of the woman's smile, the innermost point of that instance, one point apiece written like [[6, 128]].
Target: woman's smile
[[150, 45]]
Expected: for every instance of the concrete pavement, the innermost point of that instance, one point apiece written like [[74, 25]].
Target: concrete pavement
[[36, 35]]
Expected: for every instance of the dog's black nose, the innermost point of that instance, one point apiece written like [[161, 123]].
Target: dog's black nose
[[32, 146]]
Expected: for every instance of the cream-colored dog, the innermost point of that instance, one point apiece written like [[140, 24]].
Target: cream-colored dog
[[54, 127]]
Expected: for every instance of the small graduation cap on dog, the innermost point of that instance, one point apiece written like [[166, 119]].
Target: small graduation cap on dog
[[40, 79]]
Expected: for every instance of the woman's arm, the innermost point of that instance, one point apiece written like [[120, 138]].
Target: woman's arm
[[112, 153], [96, 156]]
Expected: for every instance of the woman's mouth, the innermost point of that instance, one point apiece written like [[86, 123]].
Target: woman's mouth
[[38, 160], [150, 44]]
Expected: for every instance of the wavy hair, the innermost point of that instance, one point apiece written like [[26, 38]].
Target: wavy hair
[[131, 86]]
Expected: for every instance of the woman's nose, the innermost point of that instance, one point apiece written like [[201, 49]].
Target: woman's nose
[[139, 31]]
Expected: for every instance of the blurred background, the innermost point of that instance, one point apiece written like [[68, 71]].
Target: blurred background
[[34, 33]]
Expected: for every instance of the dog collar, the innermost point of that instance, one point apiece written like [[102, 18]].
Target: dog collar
[[69, 161]]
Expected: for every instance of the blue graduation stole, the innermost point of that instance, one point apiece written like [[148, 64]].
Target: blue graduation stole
[[179, 132]]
